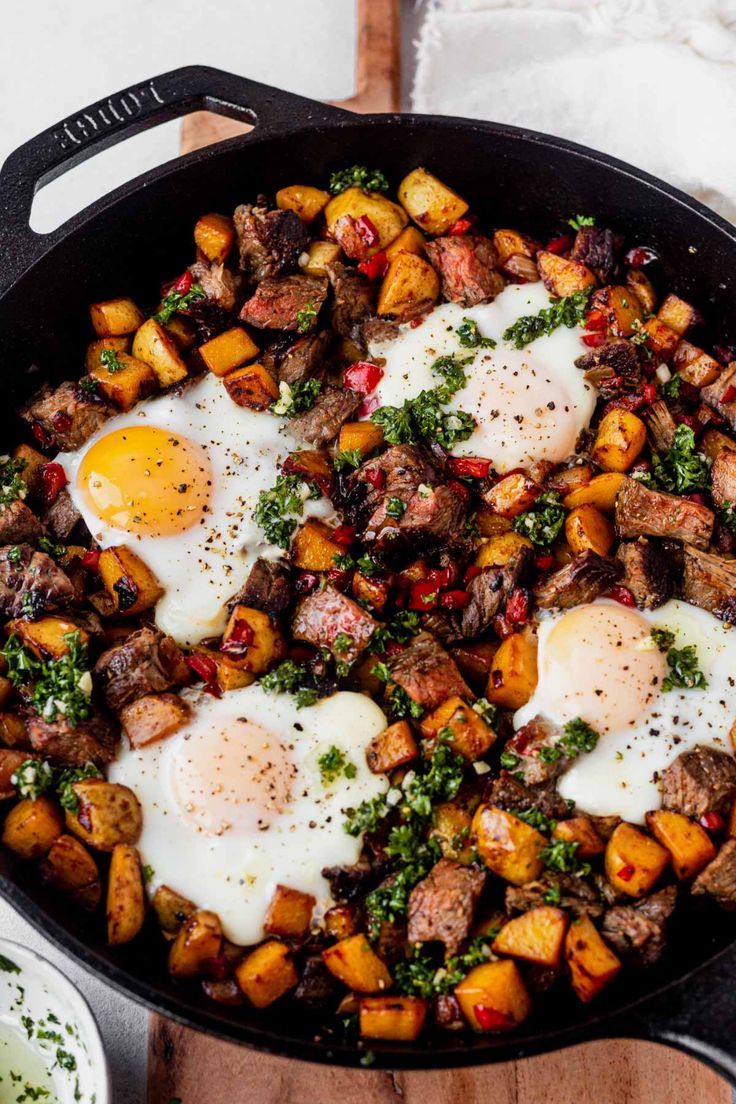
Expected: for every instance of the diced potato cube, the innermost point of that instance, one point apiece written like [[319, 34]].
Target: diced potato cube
[[512, 495], [677, 314], [10, 760], [12, 730], [410, 287], [289, 913], [318, 254], [119, 344], [341, 921], [33, 461], [153, 717], [303, 200], [400, 1019], [132, 586], [199, 940], [536, 936], [634, 862], [621, 308], [252, 635], [312, 465], [252, 386], [689, 845], [127, 385], [266, 974], [587, 528], [409, 240], [621, 437], [508, 846], [490, 523], [493, 997], [354, 962], [569, 480], [31, 827], [313, 549], [70, 869], [563, 277], [126, 898], [713, 442], [464, 730], [509, 243], [660, 338], [171, 909], [232, 674], [430, 202], [592, 963], [227, 351], [580, 830], [451, 829], [601, 492], [498, 550], [366, 436], [694, 365], [373, 591], [214, 236], [113, 317], [46, 638], [513, 678], [107, 813], [155, 346], [392, 748], [386, 218]]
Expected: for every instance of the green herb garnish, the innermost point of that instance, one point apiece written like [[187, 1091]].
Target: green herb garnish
[[334, 763], [581, 220], [279, 508], [561, 855], [682, 469], [292, 678], [148, 873], [12, 487], [402, 627], [663, 638], [684, 671], [424, 975], [671, 388], [348, 458], [89, 384], [395, 507], [110, 360], [535, 818], [568, 311], [8, 966], [577, 737], [305, 318], [61, 686], [296, 398], [175, 302], [544, 519], [399, 703], [470, 336], [358, 176]]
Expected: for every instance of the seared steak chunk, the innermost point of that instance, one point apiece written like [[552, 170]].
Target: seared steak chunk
[[510, 793], [644, 513], [427, 672], [442, 906], [322, 617], [353, 300], [147, 662], [25, 572], [432, 515], [490, 591], [661, 425], [209, 318], [586, 578], [713, 394], [18, 524], [403, 469], [317, 986], [267, 588], [597, 248], [350, 883], [278, 300], [638, 931], [699, 781], [305, 359], [467, 268], [332, 408], [92, 741], [217, 282], [528, 742], [268, 241], [576, 895], [648, 572], [613, 368], [719, 877], [709, 582], [61, 516], [723, 476], [377, 331], [66, 414]]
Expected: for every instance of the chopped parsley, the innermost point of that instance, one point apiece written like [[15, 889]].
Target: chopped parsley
[[487, 711], [553, 895], [61, 686], [35, 777], [89, 384], [12, 487], [578, 221], [568, 311], [452, 370], [8, 966], [424, 975], [51, 549], [684, 671], [305, 318], [399, 703], [577, 737], [296, 398], [682, 469], [175, 302], [14, 555], [402, 627], [663, 638], [561, 855], [727, 515], [671, 388], [110, 359], [358, 176], [66, 1060], [65, 780], [535, 818], [342, 643], [148, 873], [509, 761], [348, 458], [470, 336], [280, 507], [395, 507], [544, 519], [334, 763], [422, 418], [292, 678]]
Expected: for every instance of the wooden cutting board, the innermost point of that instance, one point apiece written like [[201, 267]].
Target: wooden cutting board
[[196, 1069]]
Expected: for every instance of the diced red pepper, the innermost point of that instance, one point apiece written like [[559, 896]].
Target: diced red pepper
[[183, 284], [472, 573], [423, 595], [559, 245], [640, 255], [460, 227], [306, 582], [362, 376], [593, 340], [44, 439], [339, 577], [724, 353], [712, 822], [375, 476], [622, 594], [626, 873], [416, 321], [729, 394], [53, 480], [61, 421], [374, 267], [459, 488], [91, 560], [205, 669], [596, 319], [690, 421], [490, 1019], [472, 467], [503, 628], [517, 606], [367, 230], [454, 599], [239, 640], [344, 535], [368, 405], [544, 563], [443, 577]]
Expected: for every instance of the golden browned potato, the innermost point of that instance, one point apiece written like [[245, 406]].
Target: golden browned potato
[[513, 677], [512, 495], [108, 813], [70, 869], [231, 674], [119, 344], [289, 913], [252, 635], [252, 386], [171, 909], [463, 728], [228, 351], [313, 548], [677, 314], [354, 962], [132, 586], [373, 591], [510, 243], [660, 338], [317, 256], [634, 862], [155, 346], [498, 550], [410, 287], [430, 202], [214, 236], [126, 382], [451, 829], [12, 730], [46, 638], [601, 492], [126, 898], [153, 717], [568, 480], [31, 827], [6, 690], [199, 939], [303, 200], [713, 442], [341, 921], [587, 528], [508, 846], [643, 288], [113, 317], [536, 936], [490, 523], [385, 218], [364, 436], [580, 830], [493, 997], [33, 461], [410, 240], [689, 845], [563, 277], [266, 974], [392, 748], [591, 962], [398, 1018], [621, 308], [621, 437], [10, 761], [694, 365]]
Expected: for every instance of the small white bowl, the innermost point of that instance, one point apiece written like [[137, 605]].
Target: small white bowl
[[31, 987]]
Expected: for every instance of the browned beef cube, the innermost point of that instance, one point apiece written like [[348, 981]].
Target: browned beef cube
[[30, 582], [699, 781], [353, 300], [724, 385], [638, 931], [66, 414], [278, 301], [447, 1013], [597, 248], [719, 877], [92, 741], [648, 572], [467, 268], [405, 468], [316, 986], [18, 524], [61, 516], [442, 906], [267, 588], [217, 282], [305, 359], [349, 883], [147, 662], [723, 476], [433, 515], [613, 368], [661, 425], [509, 793], [490, 591], [529, 742], [377, 331], [333, 407], [427, 673], [575, 895], [709, 581], [584, 579], [644, 513], [268, 241], [327, 614]]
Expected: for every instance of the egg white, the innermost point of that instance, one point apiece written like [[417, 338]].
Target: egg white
[[621, 776], [529, 404], [232, 867], [202, 567]]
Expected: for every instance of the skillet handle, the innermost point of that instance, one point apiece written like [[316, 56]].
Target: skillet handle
[[103, 124]]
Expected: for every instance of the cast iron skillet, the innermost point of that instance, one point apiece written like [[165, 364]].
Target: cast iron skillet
[[124, 243]]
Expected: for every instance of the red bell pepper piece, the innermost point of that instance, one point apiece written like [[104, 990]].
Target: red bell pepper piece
[[306, 582], [460, 227], [626, 873], [544, 562], [517, 606], [490, 1019], [559, 245], [339, 577], [362, 376], [91, 560], [443, 577], [61, 421], [712, 822], [423, 595], [596, 319], [183, 284], [472, 467], [44, 439], [368, 405], [640, 255], [472, 573], [344, 535], [454, 599], [593, 340], [374, 267], [375, 476], [53, 480], [622, 594], [367, 230], [239, 640], [729, 394], [205, 669]]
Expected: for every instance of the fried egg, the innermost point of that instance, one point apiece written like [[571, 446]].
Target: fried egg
[[234, 803], [177, 479], [599, 662], [529, 404]]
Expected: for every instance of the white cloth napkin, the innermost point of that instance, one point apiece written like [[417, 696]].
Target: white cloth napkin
[[650, 81]]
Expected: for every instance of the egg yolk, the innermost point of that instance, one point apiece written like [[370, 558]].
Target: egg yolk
[[599, 664], [146, 480], [238, 778]]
